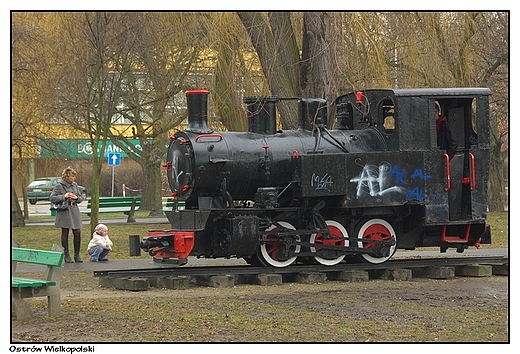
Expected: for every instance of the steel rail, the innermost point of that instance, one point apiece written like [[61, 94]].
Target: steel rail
[[165, 271]]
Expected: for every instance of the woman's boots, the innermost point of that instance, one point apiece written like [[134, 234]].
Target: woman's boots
[[77, 245], [67, 256], [77, 259]]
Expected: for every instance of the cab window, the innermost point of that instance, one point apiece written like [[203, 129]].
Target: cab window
[[387, 117]]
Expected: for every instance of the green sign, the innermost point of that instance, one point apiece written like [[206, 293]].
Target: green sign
[[79, 148]]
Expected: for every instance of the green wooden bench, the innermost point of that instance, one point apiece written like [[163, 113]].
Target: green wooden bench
[[127, 205], [49, 285], [169, 205]]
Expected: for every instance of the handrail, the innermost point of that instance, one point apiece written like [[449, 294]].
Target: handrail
[[208, 138], [473, 173], [448, 173]]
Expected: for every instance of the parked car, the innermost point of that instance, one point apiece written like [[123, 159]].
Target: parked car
[[41, 189]]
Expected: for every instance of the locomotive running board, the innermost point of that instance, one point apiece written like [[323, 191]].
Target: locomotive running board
[[193, 220]]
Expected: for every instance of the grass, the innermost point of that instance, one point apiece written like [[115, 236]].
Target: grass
[[42, 237], [499, 222], [326, 312]]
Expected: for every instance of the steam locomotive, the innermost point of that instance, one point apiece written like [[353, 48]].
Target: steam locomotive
[[375, 183]]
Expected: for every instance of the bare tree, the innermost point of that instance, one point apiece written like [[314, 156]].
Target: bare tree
[[317, 73], [278, 60], [31, 66], [135, 66], [494, 73], [233, 72], [95, 59], [162, 62]]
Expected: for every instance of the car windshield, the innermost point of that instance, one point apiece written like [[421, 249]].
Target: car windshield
[[39, 182]]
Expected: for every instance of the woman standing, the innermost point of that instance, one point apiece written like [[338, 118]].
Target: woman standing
[[70, 218]]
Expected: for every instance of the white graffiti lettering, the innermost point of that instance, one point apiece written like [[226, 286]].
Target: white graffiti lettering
[[321, 182], [375, 181]]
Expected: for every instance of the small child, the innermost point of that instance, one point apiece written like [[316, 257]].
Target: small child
[[100, 245]]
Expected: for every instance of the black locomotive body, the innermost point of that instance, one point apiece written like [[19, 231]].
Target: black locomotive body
[[375, 183]]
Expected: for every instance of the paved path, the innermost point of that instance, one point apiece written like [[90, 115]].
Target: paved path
[[154, 220]]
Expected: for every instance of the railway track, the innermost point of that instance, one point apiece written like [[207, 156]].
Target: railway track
[[190, 271]]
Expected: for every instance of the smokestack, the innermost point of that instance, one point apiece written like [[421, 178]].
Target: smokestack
[[261, 114], [311, 111], [198, 111]]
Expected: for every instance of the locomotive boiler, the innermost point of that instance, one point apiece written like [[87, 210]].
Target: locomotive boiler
[[374, 182]]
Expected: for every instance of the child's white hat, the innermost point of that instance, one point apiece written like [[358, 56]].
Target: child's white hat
[[101, 228]]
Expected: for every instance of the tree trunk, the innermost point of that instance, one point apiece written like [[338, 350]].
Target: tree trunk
[[273, 67], [151, 160], [317, 74], [227, 102], [16, 212], [94, 197], [497, 196]]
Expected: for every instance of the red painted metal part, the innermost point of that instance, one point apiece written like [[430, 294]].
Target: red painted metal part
[[455, 238], [183, 243], [376, 232], [167, 165], [197, 92], [359, 97], [211, 137]]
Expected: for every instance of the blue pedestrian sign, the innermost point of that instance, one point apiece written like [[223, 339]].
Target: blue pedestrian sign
[[114, 159]]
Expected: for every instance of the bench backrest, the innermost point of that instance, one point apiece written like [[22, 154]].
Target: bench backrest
[[112, 202], [25, 255]]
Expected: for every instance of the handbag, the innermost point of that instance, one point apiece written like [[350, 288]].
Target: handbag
[[60, 206]]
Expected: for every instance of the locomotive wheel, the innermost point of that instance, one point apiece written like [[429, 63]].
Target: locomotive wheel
[[335, 229], [268, 252], [376, 229]]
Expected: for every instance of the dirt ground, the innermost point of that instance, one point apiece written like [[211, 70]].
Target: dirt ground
[[418, 310]]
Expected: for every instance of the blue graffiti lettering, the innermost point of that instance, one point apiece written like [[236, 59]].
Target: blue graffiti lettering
[[418, 173], [399, 175], [416, 193]]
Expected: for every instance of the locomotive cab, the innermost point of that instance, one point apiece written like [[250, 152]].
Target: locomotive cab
[[451, 189]]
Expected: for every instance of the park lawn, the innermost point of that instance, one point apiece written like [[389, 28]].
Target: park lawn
[[42, 236]]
